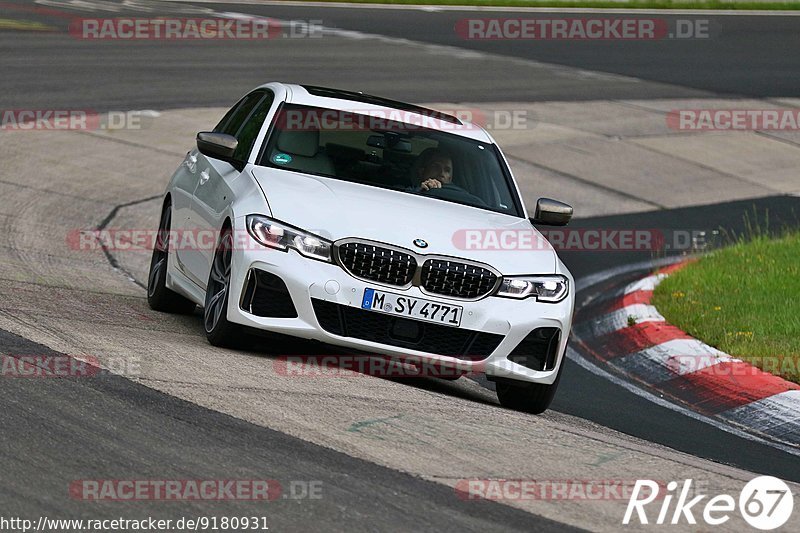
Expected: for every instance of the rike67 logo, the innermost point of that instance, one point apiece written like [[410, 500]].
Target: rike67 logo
[[765, 503]]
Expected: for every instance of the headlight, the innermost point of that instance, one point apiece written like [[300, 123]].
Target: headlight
[[282, 237], [549, 289]]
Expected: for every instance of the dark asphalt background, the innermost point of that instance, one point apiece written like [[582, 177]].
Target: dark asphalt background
[[46, 438], [56, 431], [744, 56]]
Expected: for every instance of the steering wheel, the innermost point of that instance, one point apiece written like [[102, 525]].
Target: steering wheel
[[450, 191]]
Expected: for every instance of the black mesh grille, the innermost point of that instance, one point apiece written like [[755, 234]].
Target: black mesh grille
[[451, 278], [538, 351], [348, 321], [375, 263], [266, 295]]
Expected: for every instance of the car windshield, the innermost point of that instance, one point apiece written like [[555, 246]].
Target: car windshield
[[385, 152]]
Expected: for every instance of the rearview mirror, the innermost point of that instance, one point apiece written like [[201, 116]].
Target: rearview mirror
[[217, 145], [390, 141], [402, 146], [376, 141], [552, 212]]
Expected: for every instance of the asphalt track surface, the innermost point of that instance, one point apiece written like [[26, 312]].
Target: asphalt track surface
[[48, 439], [743, 56], [158, 436]]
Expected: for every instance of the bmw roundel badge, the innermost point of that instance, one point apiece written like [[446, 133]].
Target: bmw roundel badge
[[420, 243]]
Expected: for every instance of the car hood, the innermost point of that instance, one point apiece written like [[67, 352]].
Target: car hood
[[337, 209]]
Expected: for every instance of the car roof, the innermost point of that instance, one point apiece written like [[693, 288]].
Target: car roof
[[326, 97]]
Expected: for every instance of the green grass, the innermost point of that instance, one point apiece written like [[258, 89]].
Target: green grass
[[743, 300], [622, 4]]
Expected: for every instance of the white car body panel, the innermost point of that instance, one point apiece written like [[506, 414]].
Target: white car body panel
[[337, 209]]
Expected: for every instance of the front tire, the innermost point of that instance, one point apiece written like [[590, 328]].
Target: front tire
[[219, 331], [159, 297], [527, 397]]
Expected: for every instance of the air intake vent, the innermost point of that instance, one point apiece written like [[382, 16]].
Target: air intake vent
[[266, 295], [539, 350], [347, 321]]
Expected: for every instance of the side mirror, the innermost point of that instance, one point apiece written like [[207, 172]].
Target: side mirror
[[218, 145], [552, 212]]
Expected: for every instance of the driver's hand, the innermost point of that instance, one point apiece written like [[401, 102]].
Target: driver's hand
[[431, 184]]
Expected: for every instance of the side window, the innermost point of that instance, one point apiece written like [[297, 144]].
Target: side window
[[252, 125], [234, 118]]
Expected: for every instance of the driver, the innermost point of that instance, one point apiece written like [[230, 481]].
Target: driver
[[435, 169]]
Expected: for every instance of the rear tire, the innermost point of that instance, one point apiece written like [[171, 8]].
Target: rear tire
[[532, 398], [219, 331], [159, 297]]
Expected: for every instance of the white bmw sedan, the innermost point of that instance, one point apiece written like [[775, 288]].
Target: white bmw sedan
[[370, 224]]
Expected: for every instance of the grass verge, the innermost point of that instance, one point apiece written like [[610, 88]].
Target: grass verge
[[744, 5], [743, 300]]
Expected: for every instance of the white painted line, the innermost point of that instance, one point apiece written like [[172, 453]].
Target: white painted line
[[777, 416], [645, 284], [670, 359], [617, 320]]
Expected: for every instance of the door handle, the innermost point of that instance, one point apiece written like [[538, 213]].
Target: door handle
[[204, 175]]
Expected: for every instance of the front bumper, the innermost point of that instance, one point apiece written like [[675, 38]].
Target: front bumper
[[308, 280]]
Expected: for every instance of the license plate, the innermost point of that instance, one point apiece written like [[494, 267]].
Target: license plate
[[416, 308]]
